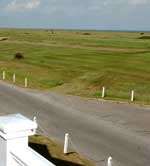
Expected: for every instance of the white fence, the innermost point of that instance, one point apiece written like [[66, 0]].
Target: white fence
[[14, 142]]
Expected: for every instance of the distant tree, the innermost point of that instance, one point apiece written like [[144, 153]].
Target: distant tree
[[86, 33], [142, 33]]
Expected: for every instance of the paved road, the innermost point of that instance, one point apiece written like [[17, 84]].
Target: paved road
[[98, 128]]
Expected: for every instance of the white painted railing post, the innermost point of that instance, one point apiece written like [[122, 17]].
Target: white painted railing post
[[66, 143], [14, 78], [103, 92], [132, 95], [26, 82], [4, 75], [109, 161]]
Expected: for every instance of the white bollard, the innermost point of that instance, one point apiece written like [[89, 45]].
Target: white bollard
[[4, 75], [109, 161], [14, 78], [26, 82], [103, 92], [132, 95], [35, 119], [66, 143]]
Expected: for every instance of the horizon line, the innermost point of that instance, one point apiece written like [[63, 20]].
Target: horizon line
[[77, 29]]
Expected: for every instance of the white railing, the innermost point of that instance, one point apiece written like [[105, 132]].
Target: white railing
[[29, 157], [18, 160]]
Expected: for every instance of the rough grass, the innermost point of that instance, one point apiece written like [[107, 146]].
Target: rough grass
[[53, 152], [73, 63]]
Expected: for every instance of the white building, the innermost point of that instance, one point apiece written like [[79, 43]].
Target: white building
[[14, 150]]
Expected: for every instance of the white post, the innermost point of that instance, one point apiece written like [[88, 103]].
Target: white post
[[14, 78], [14, 139], [103, 92], [26, 82], [66, 143], [109, 161], [35, 119], [4, 75], [132, 95]]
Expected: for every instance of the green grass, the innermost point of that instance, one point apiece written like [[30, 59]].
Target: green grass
[[73, 63]]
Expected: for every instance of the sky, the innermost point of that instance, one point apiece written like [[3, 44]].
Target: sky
[[76, 14]]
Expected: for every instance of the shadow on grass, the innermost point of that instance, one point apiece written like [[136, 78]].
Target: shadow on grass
[[42, 149]]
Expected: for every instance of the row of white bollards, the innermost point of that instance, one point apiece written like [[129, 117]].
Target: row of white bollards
[[66, 147], [104, 94], [14, 79]]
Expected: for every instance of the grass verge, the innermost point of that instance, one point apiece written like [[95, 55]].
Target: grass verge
[[54, 152]]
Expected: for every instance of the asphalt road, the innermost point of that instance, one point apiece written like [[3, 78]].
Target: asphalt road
[[98, 129]]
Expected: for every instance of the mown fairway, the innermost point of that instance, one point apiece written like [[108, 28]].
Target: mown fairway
[[79, 62]]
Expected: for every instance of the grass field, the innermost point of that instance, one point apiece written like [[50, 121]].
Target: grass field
[[79, 62]]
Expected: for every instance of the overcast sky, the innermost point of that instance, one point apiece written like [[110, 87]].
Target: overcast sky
[[72, 14]]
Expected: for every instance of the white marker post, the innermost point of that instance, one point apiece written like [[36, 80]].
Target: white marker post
[[132, 95], [66, 143], [26, 82], [14, 78], [109, 161], [103, 92], [4, 75], [35, 120]]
